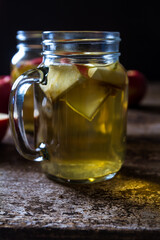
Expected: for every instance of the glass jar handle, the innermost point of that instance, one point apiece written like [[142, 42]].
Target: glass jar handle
[[18, 92]]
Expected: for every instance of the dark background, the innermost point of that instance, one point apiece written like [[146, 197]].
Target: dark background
[[138, 23]]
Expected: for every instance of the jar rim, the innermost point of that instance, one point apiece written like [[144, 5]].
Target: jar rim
[[24, 35], [81, 46], [57, 36]]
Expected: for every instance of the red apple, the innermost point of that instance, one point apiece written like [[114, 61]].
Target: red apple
[[137, 87], [5, 88], [36, 61], [3, 124], [65, 60]]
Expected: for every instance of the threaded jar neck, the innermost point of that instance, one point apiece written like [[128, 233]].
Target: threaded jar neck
[[81, 46], [29, 40]]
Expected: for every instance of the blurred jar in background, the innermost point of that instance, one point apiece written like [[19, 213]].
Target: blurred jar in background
[[27, 57]]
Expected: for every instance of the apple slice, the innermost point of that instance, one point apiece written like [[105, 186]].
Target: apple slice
[[81, 94], [83, 69], [61, 78], [4, 119], [86, 98], [113, 74]]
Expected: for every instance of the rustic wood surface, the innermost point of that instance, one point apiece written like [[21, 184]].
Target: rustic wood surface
[[126, 207]]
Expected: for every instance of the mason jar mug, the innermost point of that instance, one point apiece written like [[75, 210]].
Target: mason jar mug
[[80, 107]]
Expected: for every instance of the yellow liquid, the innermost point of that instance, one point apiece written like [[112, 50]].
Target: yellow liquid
[[28, 106], [80, 148]]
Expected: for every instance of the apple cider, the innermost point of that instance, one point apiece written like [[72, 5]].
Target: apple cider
[[82, 118]]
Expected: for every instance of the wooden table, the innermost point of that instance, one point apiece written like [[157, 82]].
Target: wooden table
[[126, 207]]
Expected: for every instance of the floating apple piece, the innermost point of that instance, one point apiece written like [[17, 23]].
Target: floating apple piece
[[5, 88], [112, 74], [61, 78], [4, 119], [83, 70], [137, 87]]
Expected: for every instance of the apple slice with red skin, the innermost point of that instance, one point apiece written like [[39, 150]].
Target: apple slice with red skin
[[137, 87], [65, 60], [83, 70], [5, 88], [36, 61], [4, 120]]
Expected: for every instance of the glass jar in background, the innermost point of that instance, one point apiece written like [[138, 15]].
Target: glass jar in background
[[27, 57]]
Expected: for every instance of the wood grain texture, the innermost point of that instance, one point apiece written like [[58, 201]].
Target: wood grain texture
[[126, 207]]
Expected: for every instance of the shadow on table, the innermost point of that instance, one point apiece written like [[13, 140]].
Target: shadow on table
[[10, 158], [129, 185], [137, 183]]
